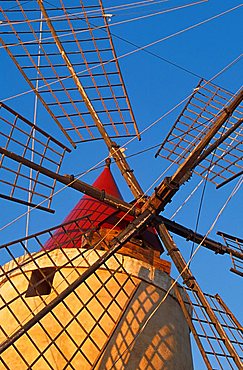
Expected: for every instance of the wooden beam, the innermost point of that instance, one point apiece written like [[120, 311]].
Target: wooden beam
[[74, 183]]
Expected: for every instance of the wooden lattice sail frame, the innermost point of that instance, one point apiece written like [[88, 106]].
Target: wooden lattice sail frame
[[193, 123], [77, 54], [31, 143]]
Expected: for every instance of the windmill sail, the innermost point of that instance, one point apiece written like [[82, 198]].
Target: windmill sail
[[21, 137], [195, 121], [78, 73], [211, 345]]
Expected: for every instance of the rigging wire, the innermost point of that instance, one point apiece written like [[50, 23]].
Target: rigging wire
[[117, 8], [127, 156], [142, 48], [187, 199], [209, 169], [113, 24], [158, 56], [150, 3], [136, 4], [145, 150], [74, 15], [234, 191], [132, 43], [201, 204], [123, 146]]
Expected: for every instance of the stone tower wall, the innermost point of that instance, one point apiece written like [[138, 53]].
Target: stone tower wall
[[115, 320]]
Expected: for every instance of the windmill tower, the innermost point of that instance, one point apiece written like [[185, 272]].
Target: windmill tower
[[98, 325], [93, 292]]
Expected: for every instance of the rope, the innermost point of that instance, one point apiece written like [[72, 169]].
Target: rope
[[74, 16], [112, 24]]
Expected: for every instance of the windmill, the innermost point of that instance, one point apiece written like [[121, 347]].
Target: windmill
[[89, 292]]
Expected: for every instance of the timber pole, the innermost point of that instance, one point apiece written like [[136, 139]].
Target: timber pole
[[189, 234]]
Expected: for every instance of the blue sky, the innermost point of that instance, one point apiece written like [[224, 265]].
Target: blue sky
[[154, 87]]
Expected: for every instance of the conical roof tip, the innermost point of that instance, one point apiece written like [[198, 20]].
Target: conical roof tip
[[105, 181]]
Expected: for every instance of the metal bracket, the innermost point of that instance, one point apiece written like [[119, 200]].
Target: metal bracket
[[189, 281], [173, 250]]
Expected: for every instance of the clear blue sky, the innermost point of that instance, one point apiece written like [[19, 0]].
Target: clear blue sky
[[154, 87]]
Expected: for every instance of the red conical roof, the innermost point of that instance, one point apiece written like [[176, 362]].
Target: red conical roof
[[96, 214], [96, 211]]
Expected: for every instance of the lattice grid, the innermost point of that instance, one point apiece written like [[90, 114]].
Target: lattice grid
[[237, 244], [19, 136], [212, 344], [194, 122], [83, 32]]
